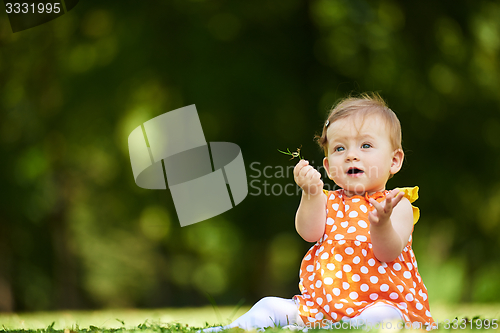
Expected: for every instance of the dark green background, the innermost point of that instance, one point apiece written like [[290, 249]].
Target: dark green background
[[75, 230]]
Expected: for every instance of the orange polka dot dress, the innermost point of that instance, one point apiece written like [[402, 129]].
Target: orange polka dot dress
[[340, 276]]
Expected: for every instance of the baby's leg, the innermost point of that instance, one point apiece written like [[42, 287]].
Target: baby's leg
[[268, 312], [377, 313]]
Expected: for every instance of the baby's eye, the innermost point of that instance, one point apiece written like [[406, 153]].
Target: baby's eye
[[366, 145], [340, 148]]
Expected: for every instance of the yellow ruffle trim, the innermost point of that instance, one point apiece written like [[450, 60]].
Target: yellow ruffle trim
[[411, 193]]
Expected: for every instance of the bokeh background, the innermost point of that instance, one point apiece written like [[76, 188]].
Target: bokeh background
[[77, 233]]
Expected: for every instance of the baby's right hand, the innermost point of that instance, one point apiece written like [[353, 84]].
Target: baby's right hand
[[308, 178]]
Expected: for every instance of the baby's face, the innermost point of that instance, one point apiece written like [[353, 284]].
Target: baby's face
[[360, 154]]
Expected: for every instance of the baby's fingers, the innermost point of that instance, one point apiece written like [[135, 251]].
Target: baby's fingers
[[397, 199]]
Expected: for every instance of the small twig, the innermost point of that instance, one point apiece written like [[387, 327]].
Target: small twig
[[293, 154]]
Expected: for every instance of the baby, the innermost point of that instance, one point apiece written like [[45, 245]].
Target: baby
[[362, 267]]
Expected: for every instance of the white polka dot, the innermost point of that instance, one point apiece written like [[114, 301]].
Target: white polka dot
[[349, 311], [318, 284], [424, 297], [364, 287], [363, 208], [328, 281], [349, 250], [353, 214], [356, 260], [361, 238], [353, 295], [419, 306], [427, 313], [346, 207], [381, 269], [318, 265], [319, 300], [338, 257], [356, 278], [371, 262], [324, 255], [357, 243], [355, 200], [412, 291], [310, 268], [340, 214], [341, 242], [339, 236], [308, 257], [373, 279], [407, 274], [336, 291], [400, 288], [396, 266], [311, 319], [402, 305], [344, 224], [351, 230], [330, 266], [329, 241], [373, 296], [362, 224], [345, 285], [326, 308], [309, 303], [334, 228], [364, 252], [339, 274], [330, 221], [364, 270], [334, 315], [410, 267], [335, 206], [384, 287], [347, 268], [409, 297], [393, 295], [311, 277], [338, 305], [329, 298], [319, 316]]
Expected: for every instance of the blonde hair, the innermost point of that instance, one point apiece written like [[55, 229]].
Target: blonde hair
[[363, 105]]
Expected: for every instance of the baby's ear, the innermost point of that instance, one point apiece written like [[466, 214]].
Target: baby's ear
[[397, 161], [326, 165]]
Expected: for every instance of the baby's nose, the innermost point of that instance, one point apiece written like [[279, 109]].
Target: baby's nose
[[352, 155]]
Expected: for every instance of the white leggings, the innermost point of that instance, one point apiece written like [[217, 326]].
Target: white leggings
[[275, 311]]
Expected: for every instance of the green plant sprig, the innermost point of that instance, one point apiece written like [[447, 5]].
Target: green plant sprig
[[294, 154]]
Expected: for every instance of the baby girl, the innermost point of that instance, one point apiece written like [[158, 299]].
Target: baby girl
[[362, 267]]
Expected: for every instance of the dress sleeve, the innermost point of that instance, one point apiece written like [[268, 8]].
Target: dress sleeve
[[411, 193]]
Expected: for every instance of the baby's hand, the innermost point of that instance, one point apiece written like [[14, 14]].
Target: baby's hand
[[382, 212], [308, 178]]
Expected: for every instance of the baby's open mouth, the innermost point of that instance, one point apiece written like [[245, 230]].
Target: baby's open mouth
[[354, 171]]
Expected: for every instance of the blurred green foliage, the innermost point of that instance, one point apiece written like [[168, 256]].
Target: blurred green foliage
[[75, 230]]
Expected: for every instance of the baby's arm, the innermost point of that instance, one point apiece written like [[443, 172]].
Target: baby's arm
[[311, 215], [391, 223]]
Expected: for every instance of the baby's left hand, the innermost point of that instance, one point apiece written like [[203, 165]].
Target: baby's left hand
[[382, 212]]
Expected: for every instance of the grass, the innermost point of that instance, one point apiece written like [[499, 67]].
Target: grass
[[187, 320]]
